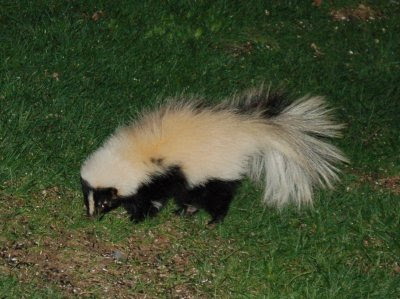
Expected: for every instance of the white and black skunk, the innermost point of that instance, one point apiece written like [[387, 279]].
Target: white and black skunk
[[198, 153]]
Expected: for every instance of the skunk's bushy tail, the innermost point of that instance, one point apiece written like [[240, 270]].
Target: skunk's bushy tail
[[294, 156]]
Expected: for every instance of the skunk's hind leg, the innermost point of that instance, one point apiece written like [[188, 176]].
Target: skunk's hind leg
[[215, 197], [184, 203]]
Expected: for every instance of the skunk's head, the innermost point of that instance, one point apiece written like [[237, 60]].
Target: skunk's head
[[111, 174], [99, 201]]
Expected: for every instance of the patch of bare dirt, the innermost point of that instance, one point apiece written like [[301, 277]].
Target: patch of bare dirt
[[361, 13], [148, 264], [390, 183], [379, 181], [81, 264], [51, 193]]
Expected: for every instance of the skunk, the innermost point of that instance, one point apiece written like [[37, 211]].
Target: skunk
[[198, 154]]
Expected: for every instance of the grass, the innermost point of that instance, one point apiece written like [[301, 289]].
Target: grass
[[71, 72]]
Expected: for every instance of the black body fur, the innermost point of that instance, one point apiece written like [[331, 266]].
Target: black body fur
[[270, 103], [214, 196]]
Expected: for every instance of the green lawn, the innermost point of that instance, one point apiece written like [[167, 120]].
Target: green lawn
[[73, 71]]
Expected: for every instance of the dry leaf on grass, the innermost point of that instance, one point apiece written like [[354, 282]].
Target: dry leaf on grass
[[316, 50], [97, 15], [317, 3], [55, 76], [396, 268], [239, 49]]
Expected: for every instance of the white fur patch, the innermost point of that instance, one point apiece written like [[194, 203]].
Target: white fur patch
[[109, 167], [158, 205], [91, 203]]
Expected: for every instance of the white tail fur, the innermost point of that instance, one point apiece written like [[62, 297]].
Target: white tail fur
[[296, 158]]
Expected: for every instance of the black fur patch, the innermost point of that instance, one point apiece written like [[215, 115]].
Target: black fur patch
[[157, 161], [270, 103], [85, 190], [105, 200], [214, 196], [159, 189]]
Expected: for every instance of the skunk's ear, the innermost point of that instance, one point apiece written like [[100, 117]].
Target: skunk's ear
[[114, 193]]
